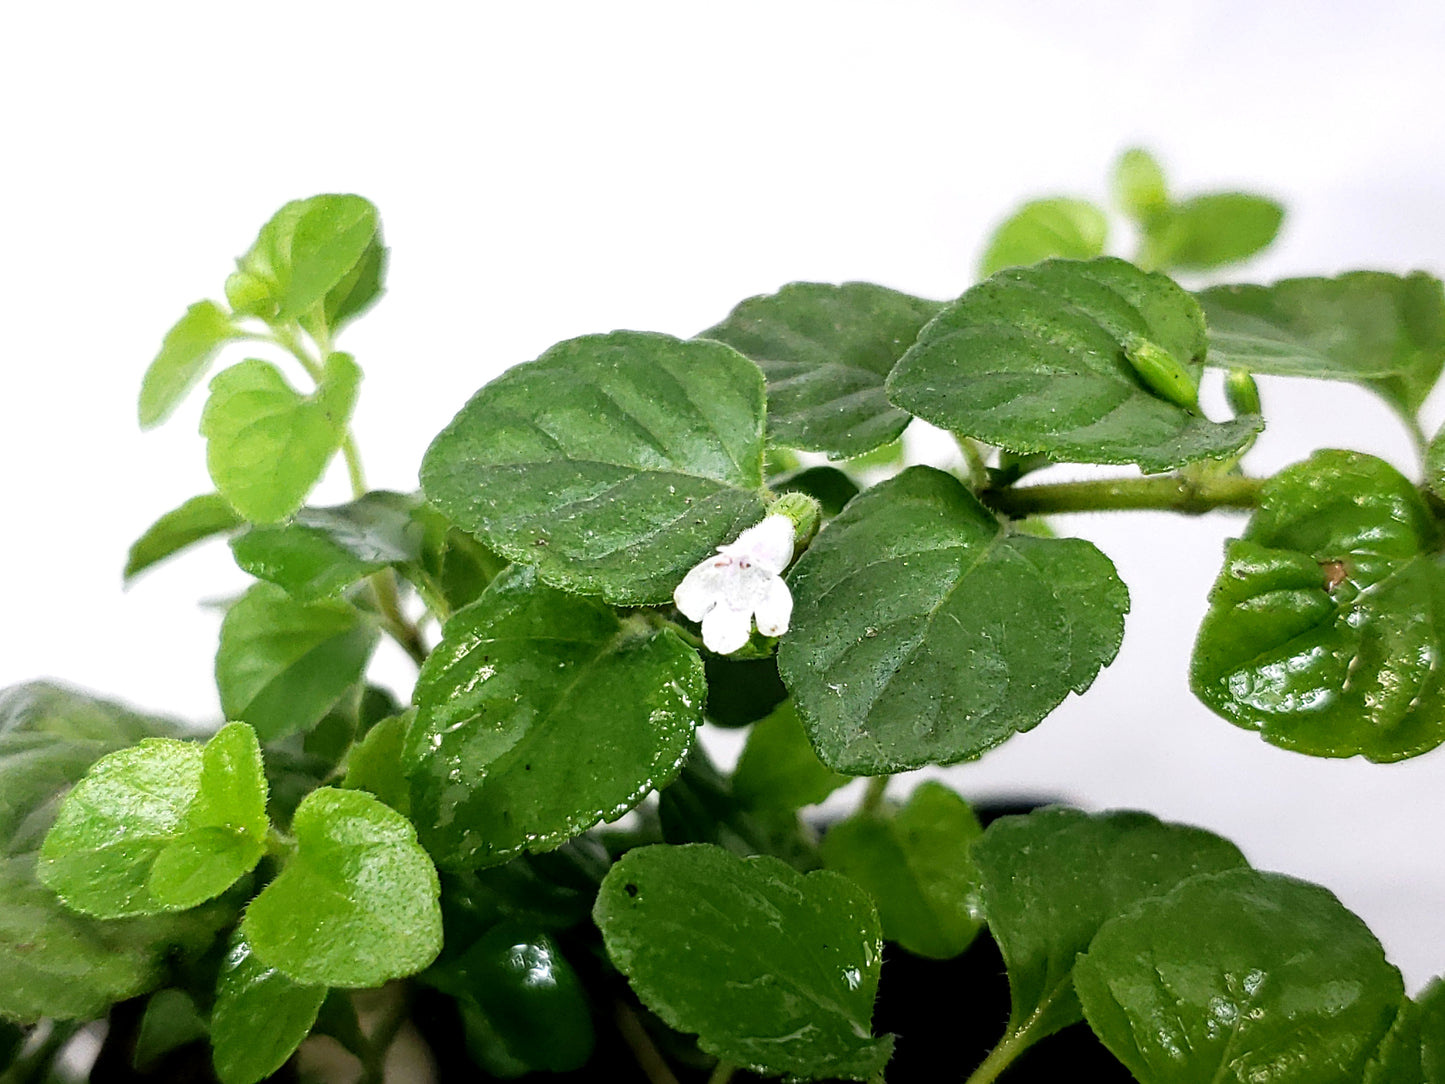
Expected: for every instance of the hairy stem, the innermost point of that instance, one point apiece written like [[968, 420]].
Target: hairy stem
[[1170, 493], [1000, 1057]]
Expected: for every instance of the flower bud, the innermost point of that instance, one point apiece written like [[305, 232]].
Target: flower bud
[[803, 510]]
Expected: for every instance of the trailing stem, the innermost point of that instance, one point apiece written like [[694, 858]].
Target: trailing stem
[[1171, 493]]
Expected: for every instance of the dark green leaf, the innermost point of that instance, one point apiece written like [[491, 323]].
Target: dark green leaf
[[1035, 360], [554, 890], [1210, 231], [825, 351], [329, 239], [1327, 622], [778, 768], [540, 714], [741, 691], [377, 763], [614, 463], [320, 551], [282, 664], [267, 445], [260, 1016], [161, 826], [189, 347], [915, 863], [357, 903], [170, 1021], [1239, 977], [1139, 185], [1052, 878], [198, 519], [924, 633], [776, 973], [1072, 228], [361, 288], [1381, 330]]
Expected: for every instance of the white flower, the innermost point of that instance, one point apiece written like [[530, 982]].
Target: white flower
[[743, 580]]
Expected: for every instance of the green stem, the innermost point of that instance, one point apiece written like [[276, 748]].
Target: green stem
[[1000, 1057], [722, 1073], [1171, 493], [872, 802], [1417, 435], [649, 1058]]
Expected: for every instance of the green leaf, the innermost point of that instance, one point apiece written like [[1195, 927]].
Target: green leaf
[[1139, 187], [1413, 1052], [614, 463], [778, 768], [1035, 360], [330, 238], [282, 664], [321, 551], [170, 1021], [914, 862], [829, 486], [361, 288], [194, 521], [1237, 977], [260, 1016], [1043, 228], [160, 826], [1210, 231], [356, 905], [777, 973], [377, 763], [1326, 623], [267, 445], [825, 351], [1381, 330], [1052, 878], [924, 633], [189, 348], [541, 714]]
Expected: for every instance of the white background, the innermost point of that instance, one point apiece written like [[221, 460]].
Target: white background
[[552, 169]]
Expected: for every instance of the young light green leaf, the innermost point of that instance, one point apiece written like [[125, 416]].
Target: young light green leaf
[[924, 633], [1043, 228], [1236, 977], [825, 351], [614, 463], [356, 905], [377, 763], [1210, 231], [914, 861], [1326, 621], [777, 973], [1034, 360], [189, 347], [360, 289], [171, 1020], [1052, 878], [330, 237], [260, 1016], [161, 826], [282, 664], [1381, 330], [541, 714], [320, 551], [194, 521], [778, 768], [267, 445], [1139, 187]]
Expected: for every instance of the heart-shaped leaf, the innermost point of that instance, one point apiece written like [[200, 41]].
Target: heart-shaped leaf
[[924, 633], [1043, 359], [1327, 623], [826, 351], [540, 714], [613, 463], [776, 973]]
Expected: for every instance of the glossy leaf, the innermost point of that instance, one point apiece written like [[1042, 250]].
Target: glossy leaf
[[924, 633], [171, 1021], [1237, 977], [613, 463], [163, 825], [1381, 330], [541, 714], [266, 444], [320, 551], [357, 903], [914, 861], [1034, 360], [377, 763], [825, 351], [1326, 625], [777, 973], [260, 1016], [282, 664], [1052, 878], [189, 348], [1413, 1051], [1139, 187], [1210, 231], [194, 521], [778, 768], [1043, 228]]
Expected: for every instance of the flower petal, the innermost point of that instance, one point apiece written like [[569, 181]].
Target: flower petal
[[704, 587], [768, 544], [776, 609], [724, 629]]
